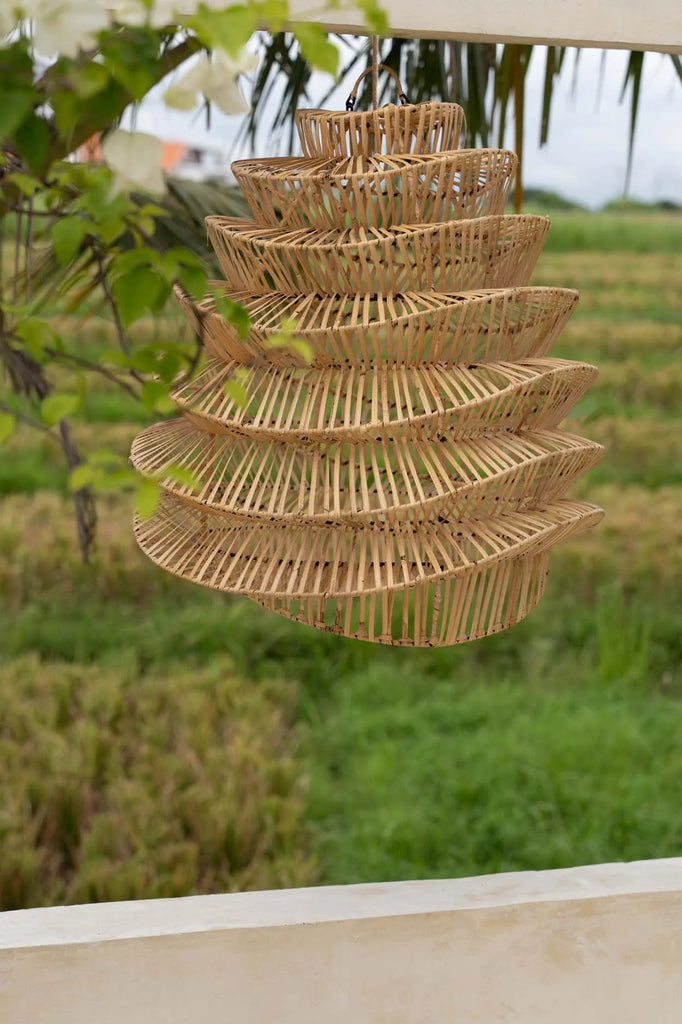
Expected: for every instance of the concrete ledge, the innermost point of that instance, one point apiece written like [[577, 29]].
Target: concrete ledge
[[597, 944], [628, 24]]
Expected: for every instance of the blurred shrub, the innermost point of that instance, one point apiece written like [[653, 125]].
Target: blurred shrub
[[121, 787]]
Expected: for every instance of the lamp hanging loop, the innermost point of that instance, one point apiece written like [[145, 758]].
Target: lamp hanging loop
[[350, 102]]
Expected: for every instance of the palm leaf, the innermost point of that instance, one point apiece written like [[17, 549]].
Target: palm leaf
[[633, 73]]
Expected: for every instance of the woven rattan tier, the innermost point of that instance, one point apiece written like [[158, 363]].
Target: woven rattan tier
[[433, 614], [364, 330], [388, 481], [302, 561], [412, 128], [298, 406], [464, 255], [376, 191]]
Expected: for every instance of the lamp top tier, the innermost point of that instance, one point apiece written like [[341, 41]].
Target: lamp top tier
[[411, 128]]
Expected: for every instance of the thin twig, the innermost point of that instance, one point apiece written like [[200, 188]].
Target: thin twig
[[123, 342], [17, 251], [83, 500], [28, 420], [88, 365]]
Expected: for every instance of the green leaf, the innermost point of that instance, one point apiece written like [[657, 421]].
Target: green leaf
[[7, 425], [233, 313], [156, 397], [135, 293], [179, 475], [274, 14], [168, 366], [235, 390], [27, 185], [286, 338], [58, 406], [193, 280], [114, 357], [90, 79], [633, 72], [132, 58], [145, 360], [147, 498], [316, 47], [375, 17], [230, 29], [16, 104], [677, 64], [83, 476], [34, 332], [67, 237], [32, 138]]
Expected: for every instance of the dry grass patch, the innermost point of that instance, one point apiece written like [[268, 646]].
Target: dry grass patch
[[119, 787], [39, 554], [639, 539], [621, 271], [630, 340]]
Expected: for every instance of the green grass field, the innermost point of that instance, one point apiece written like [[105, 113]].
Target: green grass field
[[159, 739]]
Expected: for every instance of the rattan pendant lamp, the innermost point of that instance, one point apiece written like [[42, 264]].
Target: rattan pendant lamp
[[405, 485]]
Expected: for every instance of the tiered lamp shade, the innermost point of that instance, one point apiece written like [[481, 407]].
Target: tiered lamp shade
[[401, 476]]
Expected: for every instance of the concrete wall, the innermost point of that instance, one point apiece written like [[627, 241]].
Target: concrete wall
[[633, 24], [594, 945]]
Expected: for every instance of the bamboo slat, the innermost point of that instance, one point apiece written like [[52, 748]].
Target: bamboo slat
[[299, 405], [380, 191], [412, 128], [408, 328], [382, 482], [461, 255]]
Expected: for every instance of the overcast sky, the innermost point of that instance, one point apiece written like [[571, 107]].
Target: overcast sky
[[586, 156]]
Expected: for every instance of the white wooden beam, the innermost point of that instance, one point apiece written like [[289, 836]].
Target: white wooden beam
[[621, 24], [597, 945]]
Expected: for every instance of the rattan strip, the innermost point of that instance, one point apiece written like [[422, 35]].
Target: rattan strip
[[432, 614], [296, 561], [488, 252], [413, 128], [301, 405], [405, 329], [378, 191], [389, 481]]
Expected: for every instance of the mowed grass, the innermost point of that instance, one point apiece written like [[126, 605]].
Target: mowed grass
[[161, 739]]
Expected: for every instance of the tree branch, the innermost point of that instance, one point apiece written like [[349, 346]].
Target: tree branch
[[28, 420], [94, 367]]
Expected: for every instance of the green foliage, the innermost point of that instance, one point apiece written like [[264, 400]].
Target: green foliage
[[484, 770], [317, 49], [83, 240], [554, 743], [58, 406]]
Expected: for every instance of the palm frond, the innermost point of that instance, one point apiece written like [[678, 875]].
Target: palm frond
[[633, 73]]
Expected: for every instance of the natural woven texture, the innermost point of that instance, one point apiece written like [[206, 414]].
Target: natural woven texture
[[424, 585], [490, 252], [408, 328], [376, 191], [384, 482], [302, 405], [414, 128], [296, 560], [405, 484]]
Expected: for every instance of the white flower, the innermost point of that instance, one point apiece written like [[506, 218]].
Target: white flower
[[135, 159], [65, 26], [8, 19], [216, 78]]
